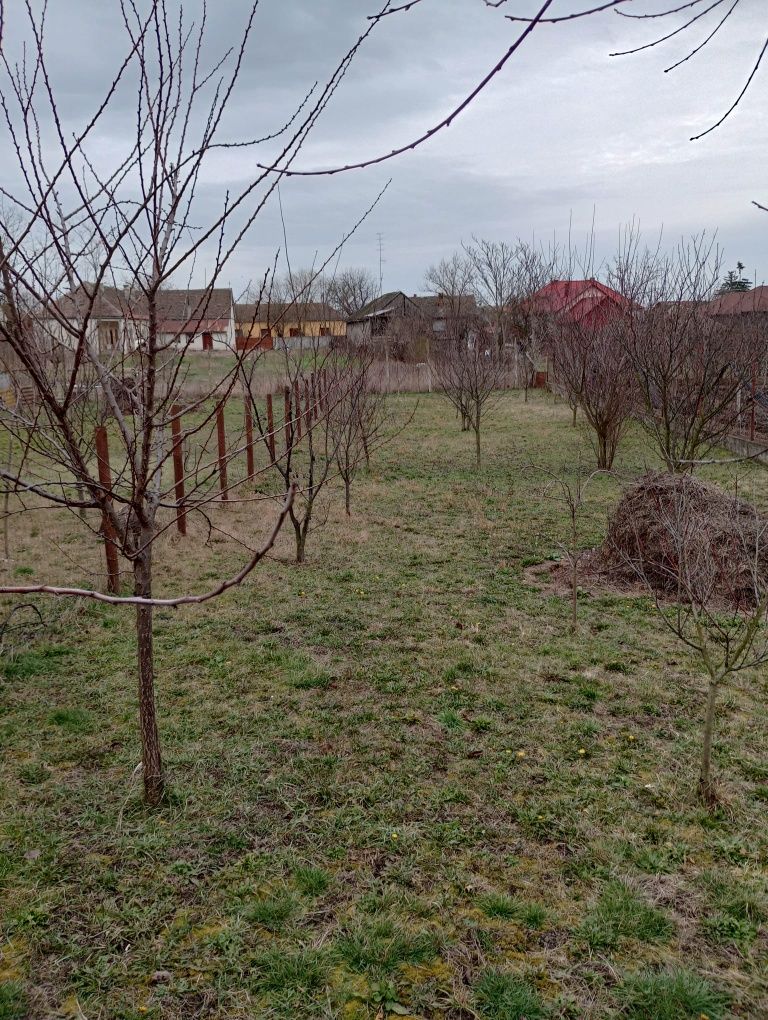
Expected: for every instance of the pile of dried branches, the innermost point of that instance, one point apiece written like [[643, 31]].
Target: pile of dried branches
[[688, 540]]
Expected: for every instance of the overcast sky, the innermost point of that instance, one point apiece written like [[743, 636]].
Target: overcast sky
[[565, 132]]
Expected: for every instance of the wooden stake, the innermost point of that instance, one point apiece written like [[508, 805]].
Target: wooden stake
[[287, 419], [297, 402], [222, 439], [307, 406], [178, 469], [110, 538], [249, 436], [270, 429]]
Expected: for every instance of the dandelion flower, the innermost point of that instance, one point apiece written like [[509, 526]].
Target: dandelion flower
[[582, 750], [521, 754], [395, 835]]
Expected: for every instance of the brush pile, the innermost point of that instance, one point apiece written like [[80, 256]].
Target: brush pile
[[689, 540]]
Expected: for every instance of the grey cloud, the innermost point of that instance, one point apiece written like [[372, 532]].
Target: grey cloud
[[564, 131]]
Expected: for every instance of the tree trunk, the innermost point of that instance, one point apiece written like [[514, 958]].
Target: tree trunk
[[347, 488], [476, 425], [152, 764], [301, 542], [706, 786], [575, 409], [602, 453], [574, 572], [7, 498]]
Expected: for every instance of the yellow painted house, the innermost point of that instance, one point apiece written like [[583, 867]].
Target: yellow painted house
[[261, 325]]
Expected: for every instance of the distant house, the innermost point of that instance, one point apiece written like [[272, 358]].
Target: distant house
[[741, 305], [378, 318], [118, 318], [266, 324], [412, 321], [587, 303], [203, 320]]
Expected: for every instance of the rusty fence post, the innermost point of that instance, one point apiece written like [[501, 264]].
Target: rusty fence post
[[178, 469], [249, 437], [222, 441], [105, 480], [270, 429]]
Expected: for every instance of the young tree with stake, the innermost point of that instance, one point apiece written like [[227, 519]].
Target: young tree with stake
[[707, 572]]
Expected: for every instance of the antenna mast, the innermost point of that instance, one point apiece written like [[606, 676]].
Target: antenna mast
[[382, 260]]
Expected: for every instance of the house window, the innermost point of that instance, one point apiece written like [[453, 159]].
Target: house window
[[294, 331], [207, 342], [266, 334], [325, 331]]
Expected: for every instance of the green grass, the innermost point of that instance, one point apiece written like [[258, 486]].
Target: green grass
[[381, 946], [532, 915], [501, 996], [620, 914], [395, 778], [13, 1001], [673, 995]]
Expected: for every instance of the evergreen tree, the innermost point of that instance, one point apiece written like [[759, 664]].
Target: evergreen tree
[[735, 280]]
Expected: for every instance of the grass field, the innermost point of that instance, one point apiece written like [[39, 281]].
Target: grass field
[[399, 785]]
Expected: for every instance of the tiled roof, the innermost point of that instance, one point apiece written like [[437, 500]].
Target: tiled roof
[[741, 302], [275, 312]]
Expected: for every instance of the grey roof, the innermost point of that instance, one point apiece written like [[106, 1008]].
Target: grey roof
[[431, 305], [185, 305], [102, 303], [173, 305], [382, 305]]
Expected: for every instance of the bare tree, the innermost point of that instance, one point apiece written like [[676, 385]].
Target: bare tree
[[105, 387], [495, 280], [470, 374], [534, 268], [708, 574], [94, 230], [352, 289], [592, 370], [452, 281], [358, 418], [506, 278], [571, 493], [693, 368], [301, 445]]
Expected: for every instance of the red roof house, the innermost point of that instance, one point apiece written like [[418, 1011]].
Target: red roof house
[[586, 302]]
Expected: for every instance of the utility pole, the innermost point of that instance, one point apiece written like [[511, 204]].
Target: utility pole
[[382, 260], [380, 239]]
